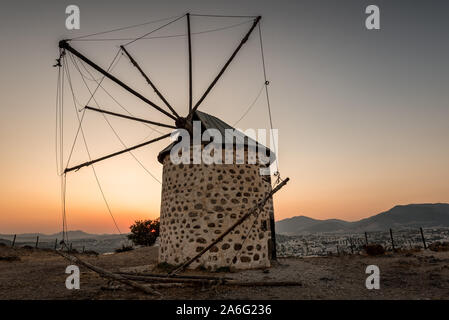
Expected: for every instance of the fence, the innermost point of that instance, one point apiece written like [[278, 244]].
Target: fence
[[34, 242], [336, 243]]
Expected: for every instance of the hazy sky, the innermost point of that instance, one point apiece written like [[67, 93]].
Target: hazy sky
[[363, 116]]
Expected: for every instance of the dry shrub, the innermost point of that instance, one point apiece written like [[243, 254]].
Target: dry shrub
[[91, 252], [166, 267], [374, 249], [439, 246], [124, 249], [10, 258]]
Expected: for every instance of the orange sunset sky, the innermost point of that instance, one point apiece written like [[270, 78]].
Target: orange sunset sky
[[362, 115]]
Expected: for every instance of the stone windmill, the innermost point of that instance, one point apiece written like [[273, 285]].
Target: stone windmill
[[201, 201], [207, 209]]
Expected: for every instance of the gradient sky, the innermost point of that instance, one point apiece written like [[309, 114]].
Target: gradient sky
[[363, 116]]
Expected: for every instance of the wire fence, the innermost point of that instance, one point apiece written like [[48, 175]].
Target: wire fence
[[101, 244], [325, 244]]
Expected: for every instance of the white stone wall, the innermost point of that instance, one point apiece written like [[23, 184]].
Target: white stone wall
[[199, 202]]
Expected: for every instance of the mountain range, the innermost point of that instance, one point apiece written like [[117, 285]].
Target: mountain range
[[72, 235], [399, 217]]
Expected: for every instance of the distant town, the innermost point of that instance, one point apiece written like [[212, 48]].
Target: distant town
[[323, 244]]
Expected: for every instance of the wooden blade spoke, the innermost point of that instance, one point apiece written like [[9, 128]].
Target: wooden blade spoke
[[130, 117], [88, 163]]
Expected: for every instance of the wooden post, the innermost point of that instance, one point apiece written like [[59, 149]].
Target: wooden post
[[14, 241], [351, 245], [392, 240], [56, 243], [422, 237], [252, 211], [338, 251], [70, 249], [366, 238], [37, 242]]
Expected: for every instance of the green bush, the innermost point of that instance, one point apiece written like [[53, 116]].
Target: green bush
[[144, 232]]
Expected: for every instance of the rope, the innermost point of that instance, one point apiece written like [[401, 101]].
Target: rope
[[115, 100], [65, 235], [60, 132], [58, 84], [250, 106], [267, 95], [122, 28], [276, 174], [219, 16], [84, 111], [173, 35], [88, 152], [117, 135], [157, 29]]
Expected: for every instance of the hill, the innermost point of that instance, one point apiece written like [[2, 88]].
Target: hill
[[97, 242], [398, 217]]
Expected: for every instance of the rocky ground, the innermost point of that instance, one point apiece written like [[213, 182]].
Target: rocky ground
[[40, 274]]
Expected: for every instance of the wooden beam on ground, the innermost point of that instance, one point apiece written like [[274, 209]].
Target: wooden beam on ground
[[176, 276], [110, 275], [231, 282]]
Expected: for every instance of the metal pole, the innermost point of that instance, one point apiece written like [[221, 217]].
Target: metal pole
[[64, 45], [392, 240], [14, 241], [37, 241], [190, 61], [56, 243], [422, 237]]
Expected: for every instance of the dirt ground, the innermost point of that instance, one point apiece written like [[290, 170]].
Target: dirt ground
[[40, 274]]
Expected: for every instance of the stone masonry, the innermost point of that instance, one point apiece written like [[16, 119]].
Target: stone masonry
[[199, 202]]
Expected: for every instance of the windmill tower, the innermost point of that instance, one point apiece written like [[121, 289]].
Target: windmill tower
[[202, 202]]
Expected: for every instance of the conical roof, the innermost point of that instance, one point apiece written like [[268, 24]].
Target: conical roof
[[210, 122]]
